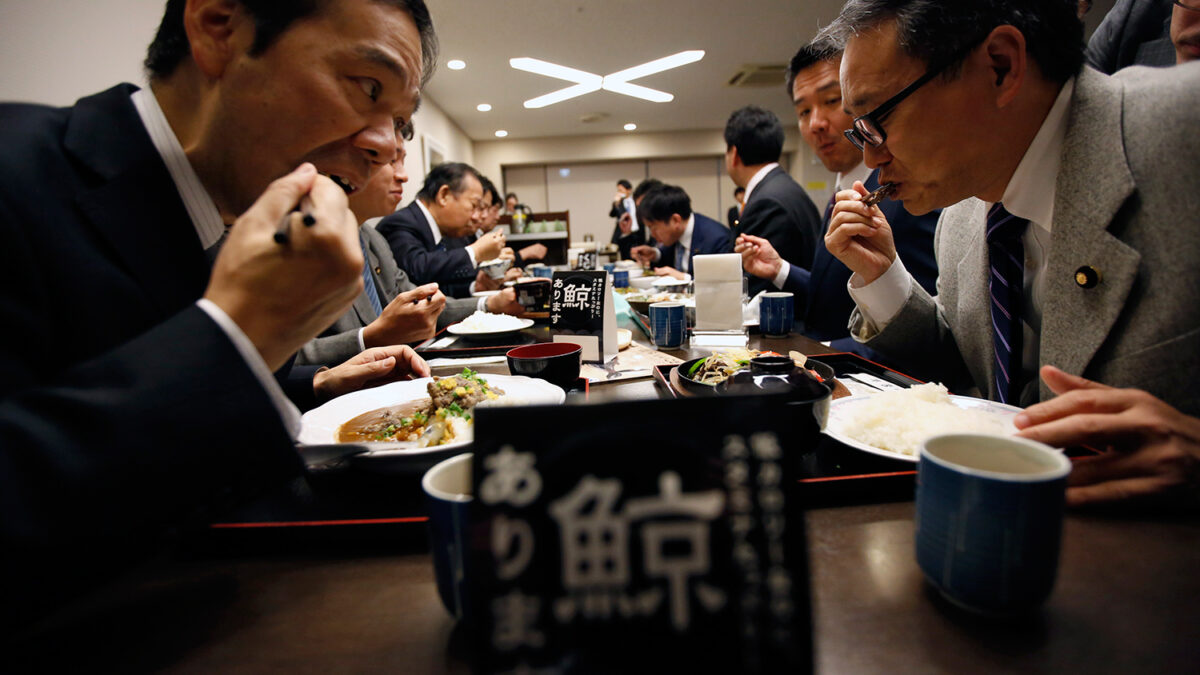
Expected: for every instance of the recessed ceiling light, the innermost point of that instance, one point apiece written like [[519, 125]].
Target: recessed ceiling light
[[630, 127], [456, 64], [618, 82], [484, 107], [500, 133]]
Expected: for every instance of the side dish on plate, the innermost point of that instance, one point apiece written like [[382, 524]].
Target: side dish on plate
[[444, 417]]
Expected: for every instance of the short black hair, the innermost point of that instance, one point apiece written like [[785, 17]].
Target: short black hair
[[814, 52], [662, 201], [646, 186], [756, 133], [934, 31], [738, 190], [625, 184], [271, 19], [511, 195], [451, 174], [488, 187]]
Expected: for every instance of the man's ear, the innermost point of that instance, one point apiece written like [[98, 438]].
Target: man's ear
[[217, 30], [1004, 50], [443, 195]]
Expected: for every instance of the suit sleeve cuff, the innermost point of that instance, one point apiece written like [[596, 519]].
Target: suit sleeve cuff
[[471, 256], [289, 414], [781, 277], [880, 300]]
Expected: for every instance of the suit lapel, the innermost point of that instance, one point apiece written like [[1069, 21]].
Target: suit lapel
[[135, 205], [362, 303], [1093, 184], [973, 331]]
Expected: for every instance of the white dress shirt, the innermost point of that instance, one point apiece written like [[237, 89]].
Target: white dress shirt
[[1029, 194], [207, 220]]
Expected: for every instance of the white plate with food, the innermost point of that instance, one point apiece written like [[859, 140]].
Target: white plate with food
[[624, 338], [483, 324], [417, 417], [893, 424]]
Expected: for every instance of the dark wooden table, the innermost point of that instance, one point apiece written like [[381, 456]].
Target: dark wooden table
[[1125, 601]]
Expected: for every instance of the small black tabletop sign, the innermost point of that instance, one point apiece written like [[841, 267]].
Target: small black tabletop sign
[[646, 536], [581, 312]]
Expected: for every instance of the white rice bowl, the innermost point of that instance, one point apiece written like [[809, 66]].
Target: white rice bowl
[[900, 421]]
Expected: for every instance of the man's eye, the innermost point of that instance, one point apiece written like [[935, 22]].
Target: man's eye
[[370, 88]]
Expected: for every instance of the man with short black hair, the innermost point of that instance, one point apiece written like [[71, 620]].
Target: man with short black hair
[[1067, 248], [448, 205], [777, 208], [136, 396], [666, 212]]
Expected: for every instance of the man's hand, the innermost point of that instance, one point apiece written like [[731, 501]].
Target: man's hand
[[670, 272], [859, 235], [483, 282], [488, 246], [1155, 448], [409, 317], [282, 295], [506, 253], [505, 302], [375, 366], [625, 223], [759, 257], [646, 255], [534, 252]]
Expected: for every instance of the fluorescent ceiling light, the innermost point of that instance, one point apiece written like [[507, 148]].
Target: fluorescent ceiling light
[[500, 133], [456, 64], [618, 82], [484, 107], [630, 127]]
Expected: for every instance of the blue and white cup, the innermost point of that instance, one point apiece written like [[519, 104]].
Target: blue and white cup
[[448, 495], [776, 312], [620, 278], [989, 520], [544, 271], [668, 324]]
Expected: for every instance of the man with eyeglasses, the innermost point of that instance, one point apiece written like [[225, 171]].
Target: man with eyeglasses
[[1071, 244], [1185, 30]]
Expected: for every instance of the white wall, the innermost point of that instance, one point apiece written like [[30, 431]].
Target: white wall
[[433, 129]]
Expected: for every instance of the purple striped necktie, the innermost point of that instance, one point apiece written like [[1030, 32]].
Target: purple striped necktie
[[1006, 281]]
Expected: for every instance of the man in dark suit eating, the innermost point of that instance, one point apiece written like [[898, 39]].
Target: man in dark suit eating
[[681, 234]]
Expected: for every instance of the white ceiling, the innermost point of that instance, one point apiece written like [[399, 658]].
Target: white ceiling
[[604, 36]]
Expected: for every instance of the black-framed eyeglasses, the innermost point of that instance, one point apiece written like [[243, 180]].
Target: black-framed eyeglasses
[[1193, 5], [868, 128]]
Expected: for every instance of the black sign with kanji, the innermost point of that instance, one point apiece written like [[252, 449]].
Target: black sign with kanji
[[647, 536], [577, 303]]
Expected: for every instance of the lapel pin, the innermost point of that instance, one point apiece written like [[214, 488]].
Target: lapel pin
[[1087, 276]]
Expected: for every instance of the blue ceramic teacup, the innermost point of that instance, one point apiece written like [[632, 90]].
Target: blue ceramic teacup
[[989, 520], [448, 495], [775, 314], [668, 324], [620, 279]]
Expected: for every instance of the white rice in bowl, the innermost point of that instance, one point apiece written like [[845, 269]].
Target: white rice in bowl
[[901, 420], [484, 322]]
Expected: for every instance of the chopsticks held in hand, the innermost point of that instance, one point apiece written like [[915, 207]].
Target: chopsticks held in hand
[[883, 192], [305, 208]]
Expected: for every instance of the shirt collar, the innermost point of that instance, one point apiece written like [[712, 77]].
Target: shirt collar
[[1031, 190], [686, 239], [200, 207], [846, 180], [757, 178], [433, 227]]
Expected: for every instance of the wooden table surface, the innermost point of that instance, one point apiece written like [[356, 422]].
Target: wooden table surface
[[1125, 601]]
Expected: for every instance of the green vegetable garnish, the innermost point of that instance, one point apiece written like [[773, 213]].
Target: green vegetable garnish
[[697, 366]]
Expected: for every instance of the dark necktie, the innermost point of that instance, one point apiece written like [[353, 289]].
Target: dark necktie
[[829, 211], [369, 279], [1006, 282]]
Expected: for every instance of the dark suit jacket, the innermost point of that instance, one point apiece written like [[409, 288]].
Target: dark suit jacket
[[1134, 32], [407, 232], [780, 211], [124, 409], [708, 236], [733, 216]]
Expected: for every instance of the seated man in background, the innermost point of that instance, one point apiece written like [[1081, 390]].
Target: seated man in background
[[823, 305], [448, 205], [681, 234], [137, 398], [777, 208], [1068, 243], [391, 310]]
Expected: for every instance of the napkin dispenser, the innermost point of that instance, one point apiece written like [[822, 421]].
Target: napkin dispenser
[[718, 284]]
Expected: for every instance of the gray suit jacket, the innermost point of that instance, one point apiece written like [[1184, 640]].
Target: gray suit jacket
[[1128, 204], [340, 341]]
